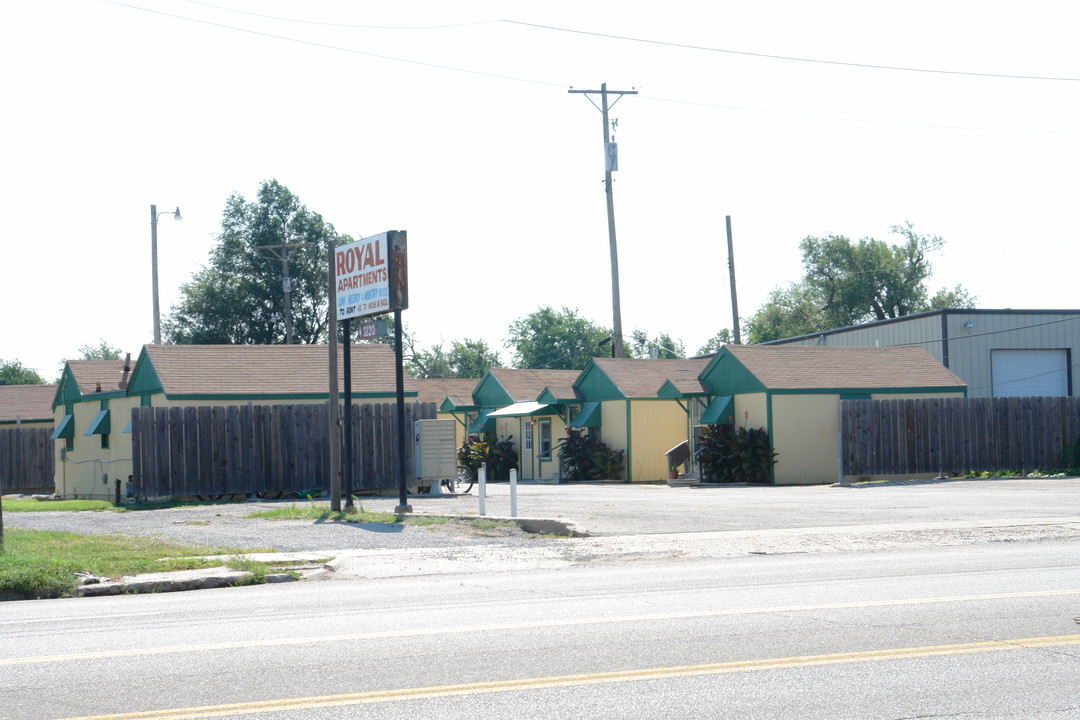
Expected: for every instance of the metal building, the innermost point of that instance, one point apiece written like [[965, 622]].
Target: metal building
[[998, 353]]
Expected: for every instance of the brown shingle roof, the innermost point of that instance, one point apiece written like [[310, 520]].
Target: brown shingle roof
[[270, 369], [524, 385], [793, 367], [109, 374], [644, 378], [435, 390], [27, 402]]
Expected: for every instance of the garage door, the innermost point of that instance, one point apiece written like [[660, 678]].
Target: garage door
[[1030, 372]]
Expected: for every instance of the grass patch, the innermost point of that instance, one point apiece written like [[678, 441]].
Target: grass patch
[[482, 524], [41, 564], [38, 505], [323, 513]]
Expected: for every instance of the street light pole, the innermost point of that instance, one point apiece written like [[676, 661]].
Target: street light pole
[[154, 215]]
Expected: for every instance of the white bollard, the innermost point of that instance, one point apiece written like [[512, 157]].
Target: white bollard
[[513, 493], [482, 484]]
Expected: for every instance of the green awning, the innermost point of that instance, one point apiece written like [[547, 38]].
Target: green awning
[[721, 411], [65, 430], [99, 425], [588, 416], [482, 423]]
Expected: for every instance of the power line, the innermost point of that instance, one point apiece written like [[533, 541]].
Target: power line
[[792, 58], [342, 25]]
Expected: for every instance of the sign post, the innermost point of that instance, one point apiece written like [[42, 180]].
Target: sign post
[[373, 279]]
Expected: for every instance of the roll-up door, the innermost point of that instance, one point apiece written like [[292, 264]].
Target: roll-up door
[[1030, 372]]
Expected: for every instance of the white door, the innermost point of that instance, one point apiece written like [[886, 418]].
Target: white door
[[1030, 372]]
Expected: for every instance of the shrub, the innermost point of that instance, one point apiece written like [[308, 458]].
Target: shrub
[[498, 453], [586, 458], [730, 454]]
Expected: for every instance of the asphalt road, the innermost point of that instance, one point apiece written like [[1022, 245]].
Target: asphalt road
[[982, 631]]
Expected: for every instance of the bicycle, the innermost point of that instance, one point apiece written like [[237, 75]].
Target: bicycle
[[460, 483]]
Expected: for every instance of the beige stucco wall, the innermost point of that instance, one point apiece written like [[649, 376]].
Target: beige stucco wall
[[656, 426], [80, 475], [804, 436], [613, 431], [751, 410]]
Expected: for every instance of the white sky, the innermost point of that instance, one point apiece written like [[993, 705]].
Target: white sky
[[452, 122]]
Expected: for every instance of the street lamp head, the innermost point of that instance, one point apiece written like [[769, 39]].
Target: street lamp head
[[177, 214]]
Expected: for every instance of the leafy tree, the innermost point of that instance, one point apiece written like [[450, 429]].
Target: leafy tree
[[465, 359], [239, 296], [555, 339], [714, 343], [642, 347], [847, 283], [101, 351], [12, 372]]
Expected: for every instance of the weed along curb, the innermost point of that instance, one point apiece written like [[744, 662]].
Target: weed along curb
[[533, 526], [202, 579]]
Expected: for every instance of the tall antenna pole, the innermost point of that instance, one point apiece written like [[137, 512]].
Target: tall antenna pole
[[611, 163], [734, 296]]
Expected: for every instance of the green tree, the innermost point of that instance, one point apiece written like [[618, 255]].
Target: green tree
[[847, 283], [101, 351], [641, 346], [716, 342], [555, 339], [12, 372], [465, 359], [239, 296]]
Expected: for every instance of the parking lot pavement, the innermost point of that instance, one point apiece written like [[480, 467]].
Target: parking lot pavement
[[622, 509]]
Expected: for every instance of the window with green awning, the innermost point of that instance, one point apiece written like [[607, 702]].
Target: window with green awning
[[588, 416]]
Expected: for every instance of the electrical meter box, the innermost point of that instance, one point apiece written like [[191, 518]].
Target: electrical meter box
[[436, 449]]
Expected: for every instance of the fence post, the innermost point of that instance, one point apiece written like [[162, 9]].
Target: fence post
[[482, 488], [513, 492]]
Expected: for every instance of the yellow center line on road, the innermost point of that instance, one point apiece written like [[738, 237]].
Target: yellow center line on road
[[568, 622], [542, 683]]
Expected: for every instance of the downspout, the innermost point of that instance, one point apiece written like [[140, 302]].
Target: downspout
[[945, 338]]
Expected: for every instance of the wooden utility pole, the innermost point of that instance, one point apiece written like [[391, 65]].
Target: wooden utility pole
[[734, 296], [332, 395], [610, 164]]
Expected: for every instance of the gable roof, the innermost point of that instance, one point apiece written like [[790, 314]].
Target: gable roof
[[92, 376], [523, 385], [644, 378], [799, 367], [26, 402], [435, 390], [234, 371]]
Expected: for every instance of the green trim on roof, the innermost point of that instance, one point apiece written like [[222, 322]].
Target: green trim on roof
[[490, 392], [144, 378], [726, 375], [594, 384], [100, 425], [669, 391], [720, 411], [65, 429], [67, 390], [287, 396], [588, 416], [933, 389]]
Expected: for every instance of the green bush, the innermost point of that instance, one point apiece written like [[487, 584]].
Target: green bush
[[499, 454], [586, 458], [730, 454]]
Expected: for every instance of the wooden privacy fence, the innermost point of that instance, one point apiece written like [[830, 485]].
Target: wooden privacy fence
[[179, 451], [26, 459], [956, 435]]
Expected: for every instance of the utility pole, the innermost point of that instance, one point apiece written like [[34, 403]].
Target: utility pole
[[286, 281], [734, 296], [611, 162]]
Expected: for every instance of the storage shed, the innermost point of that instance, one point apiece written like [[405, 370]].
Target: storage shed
[[794, 392]]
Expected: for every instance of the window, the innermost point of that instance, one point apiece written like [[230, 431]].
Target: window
[[527, 434], [545, 439]]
